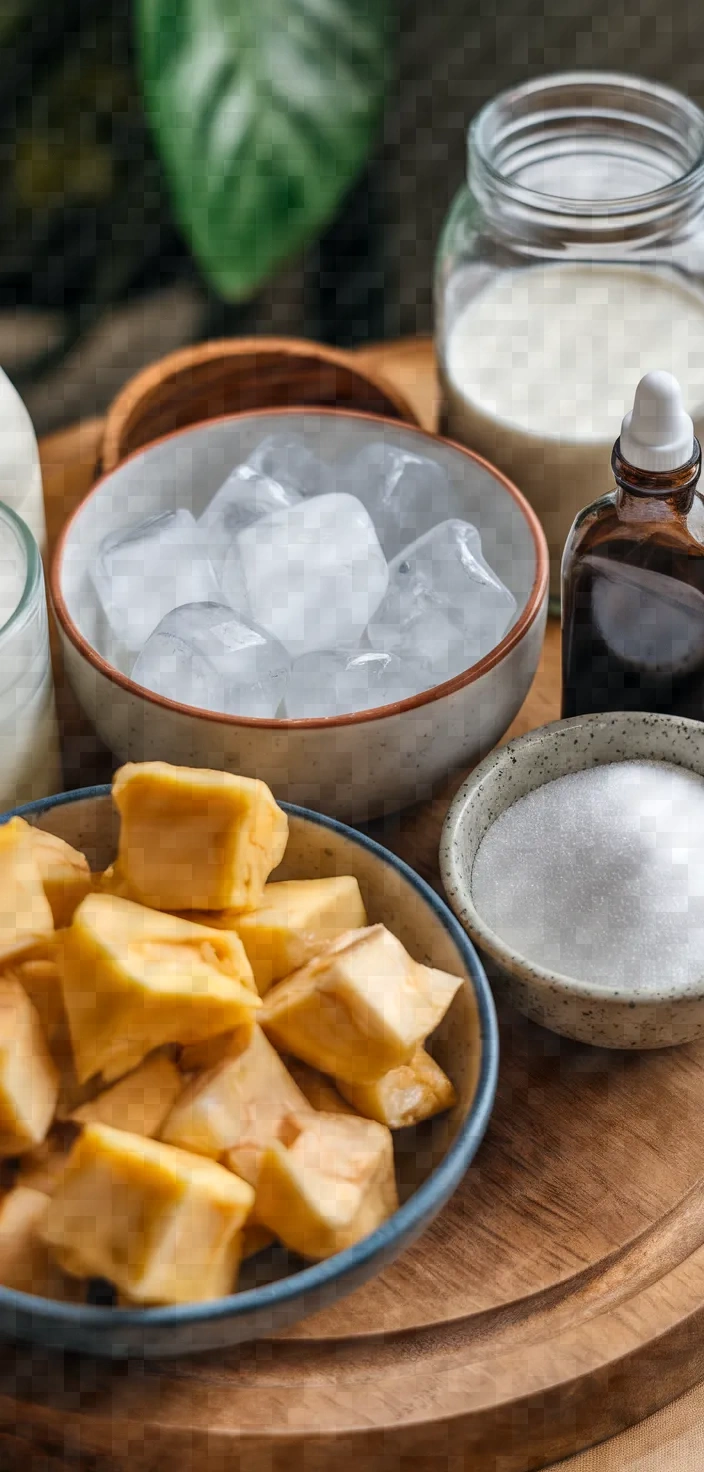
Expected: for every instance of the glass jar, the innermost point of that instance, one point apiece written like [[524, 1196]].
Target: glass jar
[[30, 764], [571, 263]]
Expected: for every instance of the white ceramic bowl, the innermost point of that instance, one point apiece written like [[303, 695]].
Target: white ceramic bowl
[[352, 766], [622, 1016]]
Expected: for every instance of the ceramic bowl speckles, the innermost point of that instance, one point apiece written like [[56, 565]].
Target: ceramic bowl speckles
[[430, 1161], [622, 1017], [353, 766]]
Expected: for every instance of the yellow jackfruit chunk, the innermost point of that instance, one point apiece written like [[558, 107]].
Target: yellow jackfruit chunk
[[29, 1080], [196, 840], [333, 1185], [41, 980], [359, 1009], [135, 978], [234, 1109], [198, 1056], [25, 1263], [414, 1091], [65, 874], [319, 1090], [41, 1169], [110, 881], [162, 1225], [139, 1102], [26, 920], [295, 921]]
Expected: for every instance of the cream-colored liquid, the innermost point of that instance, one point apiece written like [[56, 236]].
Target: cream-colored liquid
[[13, 572], [20, 470], [30, 760], [541, 366], [30, 764]]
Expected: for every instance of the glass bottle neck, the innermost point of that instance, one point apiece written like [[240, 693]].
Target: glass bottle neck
[[584, 160], [654, 496]]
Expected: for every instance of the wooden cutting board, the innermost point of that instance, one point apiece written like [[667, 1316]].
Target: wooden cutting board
[[558, 1298]]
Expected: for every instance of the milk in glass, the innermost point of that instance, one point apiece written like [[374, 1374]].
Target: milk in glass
[[30, 764], [542, 363]]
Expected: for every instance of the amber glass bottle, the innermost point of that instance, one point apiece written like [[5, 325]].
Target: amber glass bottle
[[633, 572]]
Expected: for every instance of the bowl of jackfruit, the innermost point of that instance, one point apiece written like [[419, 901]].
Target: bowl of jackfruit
[[246, 1056]]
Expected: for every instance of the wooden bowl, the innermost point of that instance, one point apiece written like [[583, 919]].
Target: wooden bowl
[[277, 1290], [216, 378]]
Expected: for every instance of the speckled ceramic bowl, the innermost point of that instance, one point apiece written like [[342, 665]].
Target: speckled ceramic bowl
[[352, 766], [622, 1017], [277, 1289]]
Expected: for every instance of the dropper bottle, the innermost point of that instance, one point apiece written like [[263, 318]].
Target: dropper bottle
[[633, 571]]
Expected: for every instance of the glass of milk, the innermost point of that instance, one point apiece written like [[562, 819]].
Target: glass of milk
[[571, 263], [30, 764]]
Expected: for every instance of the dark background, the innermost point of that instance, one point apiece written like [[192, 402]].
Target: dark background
[[95, 280]]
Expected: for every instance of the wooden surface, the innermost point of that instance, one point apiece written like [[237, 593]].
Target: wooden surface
[[559, 1296]]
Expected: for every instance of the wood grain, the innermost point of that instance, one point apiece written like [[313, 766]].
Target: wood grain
[[225, 377], [558, 1298]]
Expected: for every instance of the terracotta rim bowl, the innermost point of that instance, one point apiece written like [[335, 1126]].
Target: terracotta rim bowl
[[526, 619]]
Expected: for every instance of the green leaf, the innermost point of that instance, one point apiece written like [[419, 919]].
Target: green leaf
[[264, 113]]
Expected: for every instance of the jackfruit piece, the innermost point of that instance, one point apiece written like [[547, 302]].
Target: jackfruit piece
[[25, 1263], [414, 1091], [162, 1225], [234, 1109], [26, 921], [333, 1185], [72, 1093], [111, 881], [134, 978], [41, 1169], [139, 1102], [65, 873], [295, 921], [319, 1090], [359, 1009], [196, 1057], [29, 1080], [41, 980], [196, 840]]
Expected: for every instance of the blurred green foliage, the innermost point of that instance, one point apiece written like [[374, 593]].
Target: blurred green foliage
[[262, 113]]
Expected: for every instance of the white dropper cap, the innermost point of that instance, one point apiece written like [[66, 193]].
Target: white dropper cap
[[657, 433]]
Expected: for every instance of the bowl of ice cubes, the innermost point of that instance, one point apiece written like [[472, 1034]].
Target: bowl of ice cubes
[[343, 605]]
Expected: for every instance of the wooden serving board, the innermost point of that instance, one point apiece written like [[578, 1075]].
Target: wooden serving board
[[558, 1298]]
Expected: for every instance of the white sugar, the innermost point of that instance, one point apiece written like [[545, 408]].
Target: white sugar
[[600, 876]]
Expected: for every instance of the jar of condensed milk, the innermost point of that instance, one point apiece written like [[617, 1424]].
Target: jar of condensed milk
[[571, 262]]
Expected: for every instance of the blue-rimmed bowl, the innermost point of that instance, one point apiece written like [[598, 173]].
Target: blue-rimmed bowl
[[277, 1290]]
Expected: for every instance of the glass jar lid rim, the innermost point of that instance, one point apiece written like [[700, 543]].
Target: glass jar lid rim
[[631, 88]]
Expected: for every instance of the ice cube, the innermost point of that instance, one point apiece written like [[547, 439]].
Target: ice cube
[[246, 495], [203, 655], [333, 682], [444, 604], [405, 494], [143, 571], [286, 459], [313, 576]]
